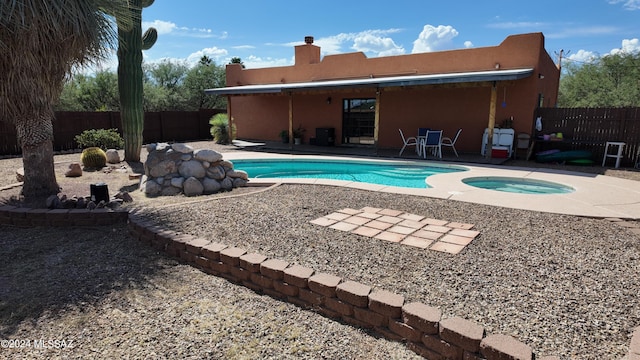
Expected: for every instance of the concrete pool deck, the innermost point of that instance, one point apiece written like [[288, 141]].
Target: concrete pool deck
[[594, 195]]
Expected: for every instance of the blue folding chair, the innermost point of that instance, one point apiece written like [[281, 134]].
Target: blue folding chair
[[433, 143]]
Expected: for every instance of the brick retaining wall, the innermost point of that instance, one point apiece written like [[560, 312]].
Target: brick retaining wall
[[27, 217], [419, 325]]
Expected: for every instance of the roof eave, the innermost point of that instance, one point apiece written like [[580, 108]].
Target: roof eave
[[400, 81]]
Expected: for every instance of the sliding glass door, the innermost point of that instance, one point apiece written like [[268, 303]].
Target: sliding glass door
[[358, 121]]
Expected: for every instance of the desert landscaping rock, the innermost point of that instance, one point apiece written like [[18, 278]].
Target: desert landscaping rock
[[162, 169], [192, 187], [150, 187], [210, 156], [240, 174], [62, 201], [192, 168], [167, 169], [53, 202], [75, 170], [20, 175], [182, 148], [177, 182], [226, 183], [113, 157], [216, 172], [124, 195], [211, 186], [171, 191]]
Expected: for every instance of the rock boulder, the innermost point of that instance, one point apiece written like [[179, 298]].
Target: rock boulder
[[75, 170]]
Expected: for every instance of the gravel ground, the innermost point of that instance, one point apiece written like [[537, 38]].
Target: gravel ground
[[564, 285], [109, 297]]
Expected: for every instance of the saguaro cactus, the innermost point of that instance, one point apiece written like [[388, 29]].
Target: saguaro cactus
[[131, 42]]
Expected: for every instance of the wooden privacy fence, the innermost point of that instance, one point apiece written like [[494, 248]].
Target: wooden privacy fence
[[590, 129], [164, 126]]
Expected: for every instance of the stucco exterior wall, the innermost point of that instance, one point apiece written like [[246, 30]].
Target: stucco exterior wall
[[447, 107]]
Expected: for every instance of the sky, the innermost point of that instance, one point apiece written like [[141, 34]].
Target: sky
[[263, 33]]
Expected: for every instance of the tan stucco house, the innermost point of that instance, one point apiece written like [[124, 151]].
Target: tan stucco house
[[364, 101]]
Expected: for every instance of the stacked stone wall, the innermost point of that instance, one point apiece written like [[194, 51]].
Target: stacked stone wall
[[179, 169]]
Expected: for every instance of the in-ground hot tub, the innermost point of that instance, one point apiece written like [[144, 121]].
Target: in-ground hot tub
[[517, 185]]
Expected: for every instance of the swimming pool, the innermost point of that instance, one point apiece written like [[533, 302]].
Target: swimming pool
[[518, 185], [390, 173]]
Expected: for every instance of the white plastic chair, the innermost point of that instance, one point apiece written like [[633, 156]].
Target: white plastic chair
[[446, 141], [422, 133], [410, 141], [432, 142], [485, 137], [505, 141]]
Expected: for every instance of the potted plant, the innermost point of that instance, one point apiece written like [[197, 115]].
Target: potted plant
[[298, 133], [284, 135]]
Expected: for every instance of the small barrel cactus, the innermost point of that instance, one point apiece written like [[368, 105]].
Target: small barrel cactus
[[93, 157]]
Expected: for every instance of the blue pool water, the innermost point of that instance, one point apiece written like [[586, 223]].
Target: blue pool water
[[399, 174], [518, 185]]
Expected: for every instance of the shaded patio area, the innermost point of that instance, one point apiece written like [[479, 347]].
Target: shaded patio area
[[366, 151]]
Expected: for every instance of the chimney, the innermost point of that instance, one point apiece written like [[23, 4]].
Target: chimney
[[307, 53]]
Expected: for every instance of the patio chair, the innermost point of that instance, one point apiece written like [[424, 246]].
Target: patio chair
[[485, 139], [410, 141], [446, 141], [422, 133], [505, 142], [433, 143]]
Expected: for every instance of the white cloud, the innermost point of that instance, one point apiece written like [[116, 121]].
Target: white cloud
[[468, 44], [219, 56], [583, 56], [167, 27], [255, 62], [163, 27], [243, 47], [629, 46], [434, 38], [332, 44], [371, 42], [627, 4]]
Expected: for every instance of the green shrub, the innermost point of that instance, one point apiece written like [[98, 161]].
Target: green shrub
[[93, 157], [220, 129], [102, 138]]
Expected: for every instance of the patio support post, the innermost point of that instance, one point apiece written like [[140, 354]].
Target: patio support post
[[290, 120], [230, 118], [492, 121], [376, 122]]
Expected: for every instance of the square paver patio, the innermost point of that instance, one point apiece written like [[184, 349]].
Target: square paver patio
[[407, 229]]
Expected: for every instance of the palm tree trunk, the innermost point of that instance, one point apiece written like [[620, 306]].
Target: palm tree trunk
[[36, 139]]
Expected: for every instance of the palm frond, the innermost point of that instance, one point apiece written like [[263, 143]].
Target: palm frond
[[40, 42]]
